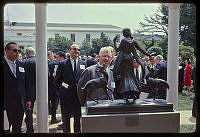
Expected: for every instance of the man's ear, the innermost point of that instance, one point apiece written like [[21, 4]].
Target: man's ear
[[98, 56]]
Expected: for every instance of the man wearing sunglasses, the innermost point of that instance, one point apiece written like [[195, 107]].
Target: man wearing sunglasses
[[67, 77], [14, 87]]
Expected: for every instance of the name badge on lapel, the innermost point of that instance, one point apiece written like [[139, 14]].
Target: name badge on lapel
[[113, 84], [21, 69], [65, 85], [82, 66]]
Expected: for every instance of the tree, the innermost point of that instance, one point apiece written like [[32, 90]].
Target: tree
[[158, 23], [148, 43], [98, 43], [59, 43], [186, 52], [188, 25], [157, 50], [163, 44], [86, 48]]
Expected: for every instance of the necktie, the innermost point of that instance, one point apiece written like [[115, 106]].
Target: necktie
[[137, 74], [74, 67], [14, 69]]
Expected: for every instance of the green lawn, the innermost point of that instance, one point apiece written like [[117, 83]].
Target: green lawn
[[187, 128], [185, 102]]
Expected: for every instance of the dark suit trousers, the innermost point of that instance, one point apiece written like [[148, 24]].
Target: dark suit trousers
[[17, 122], [194, 107], [29, 119], [66, 123], [53, 104], [62, 108], [180, 86]]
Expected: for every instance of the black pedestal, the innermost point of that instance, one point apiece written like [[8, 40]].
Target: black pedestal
[[120, 106]]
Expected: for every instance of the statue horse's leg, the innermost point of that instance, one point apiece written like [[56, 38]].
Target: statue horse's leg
[[89, 93], [93, 99], [105, 90]]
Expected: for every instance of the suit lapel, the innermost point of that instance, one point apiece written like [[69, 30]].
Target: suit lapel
[[8, 68], [17, 69]]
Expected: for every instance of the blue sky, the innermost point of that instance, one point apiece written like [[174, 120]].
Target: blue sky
[[122, 15]]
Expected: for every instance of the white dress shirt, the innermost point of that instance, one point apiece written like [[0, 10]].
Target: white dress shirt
[[72, 62], [139, 71]]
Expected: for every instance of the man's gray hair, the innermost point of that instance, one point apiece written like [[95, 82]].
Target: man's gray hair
[[159, 57], [30, 51], [107, 49], [111, 48]]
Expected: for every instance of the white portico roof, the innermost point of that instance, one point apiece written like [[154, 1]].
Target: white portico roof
[[67, 27]]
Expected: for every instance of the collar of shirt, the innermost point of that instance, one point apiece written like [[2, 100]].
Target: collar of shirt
[[152, 66], [10, 63]]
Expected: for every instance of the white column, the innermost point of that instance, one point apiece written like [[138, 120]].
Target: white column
[[41, 69], [173, 52]]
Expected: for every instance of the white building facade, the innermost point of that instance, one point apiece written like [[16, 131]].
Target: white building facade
[[24, 33]]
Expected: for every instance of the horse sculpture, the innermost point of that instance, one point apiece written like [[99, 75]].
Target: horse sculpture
[[154, 84], [100, 82]]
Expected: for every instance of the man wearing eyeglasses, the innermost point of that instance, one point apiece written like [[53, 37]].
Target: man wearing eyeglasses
[[105, 57], [14, 87], [67, 77]]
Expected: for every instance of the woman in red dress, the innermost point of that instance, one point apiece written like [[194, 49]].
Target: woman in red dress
[[187, 76]]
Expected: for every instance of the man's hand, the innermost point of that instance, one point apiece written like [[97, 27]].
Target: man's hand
[[54, 75], [28, 105]]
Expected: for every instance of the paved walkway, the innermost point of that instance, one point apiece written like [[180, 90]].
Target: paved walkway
[[185, 119]]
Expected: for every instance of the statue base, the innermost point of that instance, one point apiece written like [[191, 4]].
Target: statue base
[[120, 106], [144, 116]]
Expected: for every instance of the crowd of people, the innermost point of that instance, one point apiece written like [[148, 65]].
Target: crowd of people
[[67, 75]]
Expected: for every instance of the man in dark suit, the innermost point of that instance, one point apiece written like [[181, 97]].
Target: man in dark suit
[[67, 77], [14, 87], [30, 67], [151, 66], [160, 73], [59, 57], [52, 96], [194, 107], [91, 61], [180, 74]]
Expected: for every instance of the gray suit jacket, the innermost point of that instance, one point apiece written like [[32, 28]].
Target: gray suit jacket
[[98, 94]]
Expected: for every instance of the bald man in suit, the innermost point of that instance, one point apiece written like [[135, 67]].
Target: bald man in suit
[[67, 77]]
